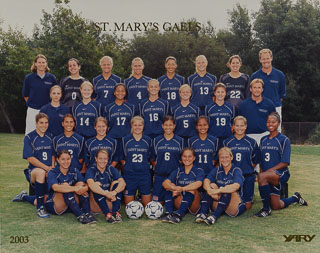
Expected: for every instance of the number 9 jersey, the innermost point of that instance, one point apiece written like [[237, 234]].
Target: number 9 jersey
[[38, 147]]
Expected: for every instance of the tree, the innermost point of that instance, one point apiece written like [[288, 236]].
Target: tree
[[239, 38], [16, 57]]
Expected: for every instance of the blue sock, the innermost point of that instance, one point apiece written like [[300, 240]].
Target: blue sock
[[168, 203], [29, 199], [39, 193], [116, 204], [206, 202], [84, 203], [265, 196], [222, 204], [72, 204], [187, 199], [102, 202], [289, 201]]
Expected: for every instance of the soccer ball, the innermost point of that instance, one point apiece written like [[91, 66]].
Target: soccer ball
[[134, 209], [154, 210]]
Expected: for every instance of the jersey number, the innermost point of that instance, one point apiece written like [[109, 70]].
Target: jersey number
[[203, 158], [171, 95], [84, 121], [238, 157], [44, 156], [70, 152], [139, 95], [204, 90], [235, 94], [154, 117], [106, 93], [185, 123], [137, 158], [220, 121], [267, 157], [73, 95], [167, 156], [121, 121]]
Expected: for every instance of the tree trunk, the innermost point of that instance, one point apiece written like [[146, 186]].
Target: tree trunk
[[6, 116]]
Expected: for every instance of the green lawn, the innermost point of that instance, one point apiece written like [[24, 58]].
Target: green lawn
[[241, 234]]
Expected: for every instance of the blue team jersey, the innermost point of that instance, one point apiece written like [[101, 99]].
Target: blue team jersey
[[202, 88], [119, 119], [71, 90], [206, 152], [37, 89], [274, 85], [55, 176], [103, 88], [221, 179], [274, 151], [153, 114], [106, 177], [245, 153], [167, 154], [74, 144], [220, 118], [85, 116], [179, 177], [38, 147], [169, 88], [137, 90], [55, 115], [93, 145], [136, 154], [256, 114], [185, 118], [238, 89]]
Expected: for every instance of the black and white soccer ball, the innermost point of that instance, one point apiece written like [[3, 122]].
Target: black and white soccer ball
[[154, 210], [134, 209]]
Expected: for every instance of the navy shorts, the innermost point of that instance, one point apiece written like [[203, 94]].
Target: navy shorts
[[283, 178], [49, 205], [248, 188], [136, 182], [158, 190]]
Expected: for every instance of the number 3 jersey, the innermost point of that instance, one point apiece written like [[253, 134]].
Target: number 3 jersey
[[85, 116], [38, 147], [119, 119], [274, 151], [136, 154], [167, 154]]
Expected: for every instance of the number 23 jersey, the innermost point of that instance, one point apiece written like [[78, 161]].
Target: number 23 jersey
[[136, 154]]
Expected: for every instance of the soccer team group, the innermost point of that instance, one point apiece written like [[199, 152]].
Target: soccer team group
[[192, 145]]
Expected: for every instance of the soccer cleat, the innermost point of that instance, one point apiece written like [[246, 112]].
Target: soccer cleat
[[110, 218], [301, 201], [84, 219], [175, 218], [263, 213], [210, 220], [42, 213], [117, 216], [166, 218], [19, 197], [200, 217], [91, 218]]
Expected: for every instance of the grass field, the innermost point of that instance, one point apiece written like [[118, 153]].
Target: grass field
[[241, 234]]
